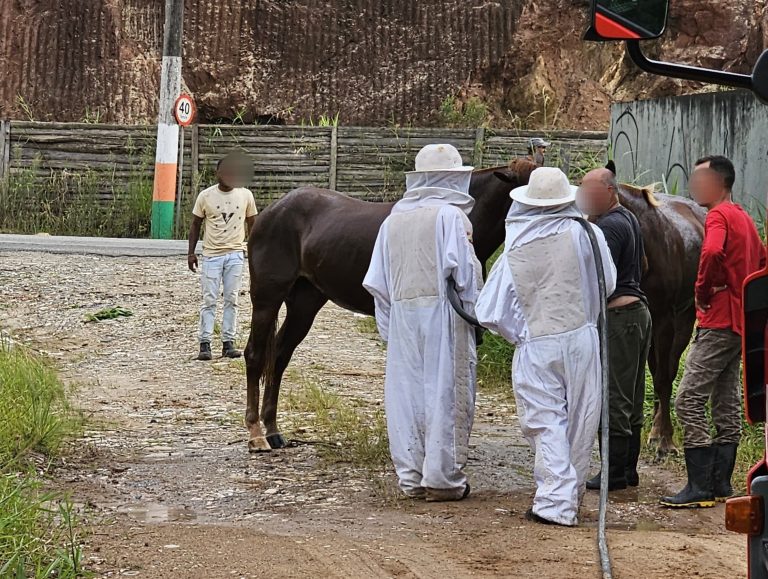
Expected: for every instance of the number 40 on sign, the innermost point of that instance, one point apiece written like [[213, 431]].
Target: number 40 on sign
[[184, 110]]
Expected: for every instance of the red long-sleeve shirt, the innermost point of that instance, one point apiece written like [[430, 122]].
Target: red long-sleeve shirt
[[732, 250]]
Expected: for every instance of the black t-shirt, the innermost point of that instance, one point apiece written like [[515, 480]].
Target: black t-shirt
[[622, 233]]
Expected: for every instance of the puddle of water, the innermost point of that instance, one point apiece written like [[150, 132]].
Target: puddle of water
[[161, 456], [157, 513]]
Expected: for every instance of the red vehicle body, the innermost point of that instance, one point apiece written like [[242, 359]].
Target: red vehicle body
[[748, 514]]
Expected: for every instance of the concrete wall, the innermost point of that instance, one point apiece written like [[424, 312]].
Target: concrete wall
[[661, 138]]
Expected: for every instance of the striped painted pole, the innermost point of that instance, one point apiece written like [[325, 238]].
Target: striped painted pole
[[166, 157]]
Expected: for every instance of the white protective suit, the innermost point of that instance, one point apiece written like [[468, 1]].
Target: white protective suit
[[542, 296], [429, 387]]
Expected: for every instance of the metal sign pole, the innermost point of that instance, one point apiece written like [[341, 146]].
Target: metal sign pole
[[166, 157]]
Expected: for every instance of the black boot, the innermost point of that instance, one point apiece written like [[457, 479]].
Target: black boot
[[617, 462], [205, 351], [228, 351], [633, 455], [722, 469], [698, 491]]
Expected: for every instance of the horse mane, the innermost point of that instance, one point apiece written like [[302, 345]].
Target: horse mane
[[522, 167], [645, 193]]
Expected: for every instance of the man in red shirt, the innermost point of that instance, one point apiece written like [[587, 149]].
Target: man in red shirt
[[732, 250]]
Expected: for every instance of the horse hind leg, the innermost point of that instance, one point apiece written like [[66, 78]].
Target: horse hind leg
[[302, 305], [663, 378], [268, 292], [258, 353], [677, 335]]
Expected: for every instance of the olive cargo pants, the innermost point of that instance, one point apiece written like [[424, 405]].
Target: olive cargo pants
[[711, 374], [629, 340]]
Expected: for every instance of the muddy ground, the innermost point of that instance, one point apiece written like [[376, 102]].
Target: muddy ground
[[170, 491]]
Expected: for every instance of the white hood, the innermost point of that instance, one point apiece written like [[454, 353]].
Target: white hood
[[523, 219], [432, 188]]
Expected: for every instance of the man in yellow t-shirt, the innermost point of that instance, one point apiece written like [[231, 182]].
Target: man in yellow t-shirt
[[225, 209]]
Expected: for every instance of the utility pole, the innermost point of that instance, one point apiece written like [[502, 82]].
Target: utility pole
[[166, 157]]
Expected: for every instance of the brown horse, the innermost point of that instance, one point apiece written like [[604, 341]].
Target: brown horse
[[673, 229], [314, 246]]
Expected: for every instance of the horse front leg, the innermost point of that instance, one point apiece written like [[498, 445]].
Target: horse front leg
[[302, 306]]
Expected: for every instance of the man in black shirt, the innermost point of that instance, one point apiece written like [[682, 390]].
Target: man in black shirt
[[629, 326]]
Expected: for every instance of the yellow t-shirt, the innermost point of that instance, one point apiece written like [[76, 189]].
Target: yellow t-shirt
[[224, 215]]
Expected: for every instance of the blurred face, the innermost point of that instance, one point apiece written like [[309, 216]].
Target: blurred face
[[595, 197], [707, 187], [538, 155], [233, 172]]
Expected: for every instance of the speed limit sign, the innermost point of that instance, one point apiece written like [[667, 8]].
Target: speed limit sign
[[184, 110]]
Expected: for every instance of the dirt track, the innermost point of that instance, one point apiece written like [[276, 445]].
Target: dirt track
[[166, 479]]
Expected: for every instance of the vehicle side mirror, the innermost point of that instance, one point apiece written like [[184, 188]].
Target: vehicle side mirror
[[627, 19]]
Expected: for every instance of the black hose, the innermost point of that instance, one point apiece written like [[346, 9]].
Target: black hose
[[602, 329], [453, 298], [455, 301]]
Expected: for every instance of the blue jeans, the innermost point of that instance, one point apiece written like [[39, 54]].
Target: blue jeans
[[215, 270]]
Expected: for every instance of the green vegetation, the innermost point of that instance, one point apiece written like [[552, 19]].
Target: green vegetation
[[321, 121], [108, 314], [494, 364], [38, 536], [494, 356], [367, 325], [355, 432], [25, 108], [34, 413], [455, 113], [88, 203]]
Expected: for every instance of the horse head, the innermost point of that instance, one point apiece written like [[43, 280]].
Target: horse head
[[491, 188]]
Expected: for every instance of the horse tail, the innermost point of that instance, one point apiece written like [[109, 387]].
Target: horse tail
[[270, 355]]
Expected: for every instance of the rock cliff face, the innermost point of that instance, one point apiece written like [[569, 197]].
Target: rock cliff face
[[580, 79], [372, 62]]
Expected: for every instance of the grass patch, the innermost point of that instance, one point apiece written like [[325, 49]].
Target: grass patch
[[34, 413], [470, 113], [37, 527], [351, 431], [38, 536], [367, 325], [494, 364]]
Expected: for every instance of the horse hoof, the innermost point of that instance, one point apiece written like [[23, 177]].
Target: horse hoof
[[259, 445], [663, 453], [277, 441]]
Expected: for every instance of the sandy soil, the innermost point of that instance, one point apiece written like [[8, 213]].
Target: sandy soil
[[166, 482]]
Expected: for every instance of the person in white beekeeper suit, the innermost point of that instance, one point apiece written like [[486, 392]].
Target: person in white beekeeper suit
[[429, 389], [542, 295]]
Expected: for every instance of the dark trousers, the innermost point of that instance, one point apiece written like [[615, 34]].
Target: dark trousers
[[711, 374], [629, 340]]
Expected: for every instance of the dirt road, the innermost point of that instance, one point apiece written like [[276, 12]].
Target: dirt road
[[165, 479]]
